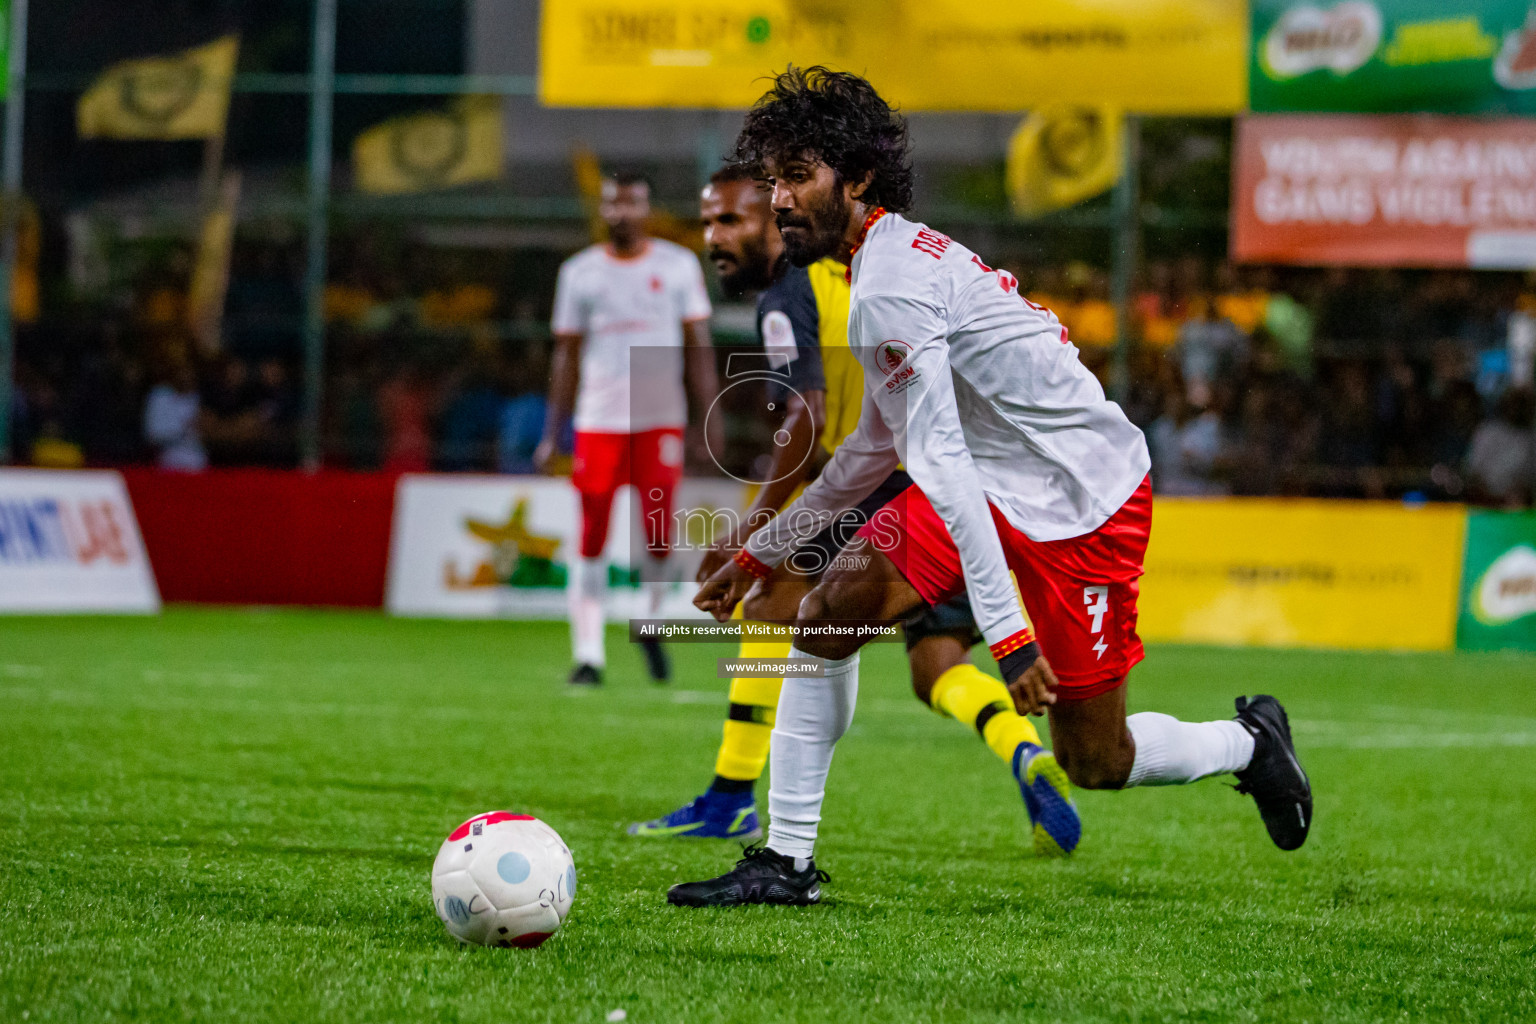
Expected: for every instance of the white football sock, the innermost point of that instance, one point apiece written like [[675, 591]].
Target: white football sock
[[813, 714], [585, 595], [655, 582], [1170, 752]]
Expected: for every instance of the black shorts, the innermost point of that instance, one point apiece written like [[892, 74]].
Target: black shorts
[[952, 618], [815, 556]]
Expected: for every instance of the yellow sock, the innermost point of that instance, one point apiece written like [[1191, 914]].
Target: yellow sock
[[967, 694], [744, 743]]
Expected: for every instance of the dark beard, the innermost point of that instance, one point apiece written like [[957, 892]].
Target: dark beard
[[733, 284], [821, 231], [751, 274]]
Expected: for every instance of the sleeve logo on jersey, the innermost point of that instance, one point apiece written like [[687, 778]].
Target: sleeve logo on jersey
[[889, 355], [894, 359], [779, 339]]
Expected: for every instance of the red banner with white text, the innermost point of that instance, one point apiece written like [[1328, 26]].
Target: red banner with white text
[[1414, 191]]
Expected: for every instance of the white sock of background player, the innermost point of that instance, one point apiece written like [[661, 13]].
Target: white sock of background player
[[585, 596], [655, 582], [1170, 752], [813, 715]]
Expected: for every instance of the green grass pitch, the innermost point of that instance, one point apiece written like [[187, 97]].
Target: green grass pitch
[[231, 815]]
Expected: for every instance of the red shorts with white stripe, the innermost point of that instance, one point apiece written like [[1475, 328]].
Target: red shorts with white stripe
[[651, 460], [1080, 593]]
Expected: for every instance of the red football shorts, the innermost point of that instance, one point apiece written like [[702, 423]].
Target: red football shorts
[[651, 460], [1080, 593]]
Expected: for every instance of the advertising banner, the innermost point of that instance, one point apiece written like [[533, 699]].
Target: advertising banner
[[1141, 56], [500, 547], [1393, 190], [1360, 575], [69, 543], [1498, 583], [1444, 56]]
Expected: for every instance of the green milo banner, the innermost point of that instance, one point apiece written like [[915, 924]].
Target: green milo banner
[[1498, 582], [1383, 56]]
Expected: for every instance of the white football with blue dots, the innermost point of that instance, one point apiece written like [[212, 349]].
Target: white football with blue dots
[[503, 879]]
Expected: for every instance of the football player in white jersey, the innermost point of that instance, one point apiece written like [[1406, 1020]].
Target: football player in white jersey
[[631, 322], [1029, 487], [823, 400]]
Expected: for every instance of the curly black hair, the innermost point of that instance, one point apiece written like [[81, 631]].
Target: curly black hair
[[838, 118]]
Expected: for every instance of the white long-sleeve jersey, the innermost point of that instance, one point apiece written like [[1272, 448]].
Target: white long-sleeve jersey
[[981, 395]]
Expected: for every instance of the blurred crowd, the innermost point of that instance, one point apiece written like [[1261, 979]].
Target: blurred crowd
[[433, 362], [1319, 382], [1247, 380]]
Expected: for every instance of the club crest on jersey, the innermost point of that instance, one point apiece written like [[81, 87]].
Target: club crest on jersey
[[891, 354], [893, 358]]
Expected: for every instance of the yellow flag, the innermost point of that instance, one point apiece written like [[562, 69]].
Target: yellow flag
[[185, 96], [210, 274], [24, 281], [1061, 156], [432, 149], [589, 186]]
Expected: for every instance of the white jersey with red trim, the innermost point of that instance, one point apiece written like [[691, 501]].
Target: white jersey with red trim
[[630, 314], [982, 397]]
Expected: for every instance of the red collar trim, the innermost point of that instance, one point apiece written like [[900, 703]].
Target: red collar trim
[[869, 222]]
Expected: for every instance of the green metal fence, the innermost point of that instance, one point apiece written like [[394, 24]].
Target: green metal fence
[[1122, 219]]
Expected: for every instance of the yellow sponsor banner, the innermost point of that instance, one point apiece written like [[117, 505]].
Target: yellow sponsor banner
[[680, 53], [1141, 56], [1303, 574]]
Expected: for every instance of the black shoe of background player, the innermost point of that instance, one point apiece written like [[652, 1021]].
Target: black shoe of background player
[[585, 675], [1274, 777], [656, 661], [761, 876]]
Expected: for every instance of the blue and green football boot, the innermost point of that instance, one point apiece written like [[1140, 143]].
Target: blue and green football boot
[[711, 816], [1048, 799]]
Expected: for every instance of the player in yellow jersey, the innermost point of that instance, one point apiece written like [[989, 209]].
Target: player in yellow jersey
[[802, 321]]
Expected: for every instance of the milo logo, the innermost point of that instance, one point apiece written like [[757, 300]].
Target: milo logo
[[1507, 590], [1308, 38]]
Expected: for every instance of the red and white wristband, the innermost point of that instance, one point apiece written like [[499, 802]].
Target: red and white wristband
[[1016, 653], [753, 565]]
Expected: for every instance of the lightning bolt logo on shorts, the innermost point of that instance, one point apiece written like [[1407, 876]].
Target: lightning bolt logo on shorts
[[1096, 600]]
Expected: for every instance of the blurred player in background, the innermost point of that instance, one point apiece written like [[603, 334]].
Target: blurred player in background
[[630, 315], [1030, 489], [802, 322]]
